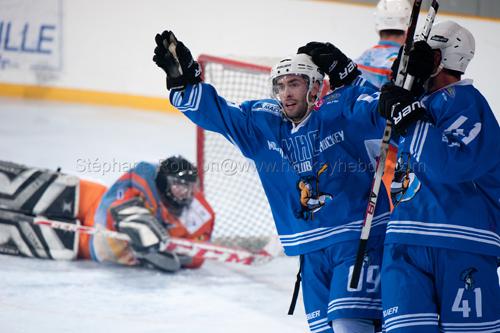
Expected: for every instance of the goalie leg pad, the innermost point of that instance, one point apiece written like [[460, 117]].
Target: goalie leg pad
[[34, 191], [20, 236]]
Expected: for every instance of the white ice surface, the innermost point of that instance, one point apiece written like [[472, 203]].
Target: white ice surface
[[99, 143], [48, 296], [51, 296]]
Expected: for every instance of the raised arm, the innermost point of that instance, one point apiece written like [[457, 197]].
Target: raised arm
[[200, 102]]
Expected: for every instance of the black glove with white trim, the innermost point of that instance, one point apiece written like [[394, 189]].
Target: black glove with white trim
[[400, 107], [421, 61], [176, 60], [420, 66], [340, 69]]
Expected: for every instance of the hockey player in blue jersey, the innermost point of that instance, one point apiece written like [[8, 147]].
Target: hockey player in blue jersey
[[391, 22], [440, 261], [319, 187]]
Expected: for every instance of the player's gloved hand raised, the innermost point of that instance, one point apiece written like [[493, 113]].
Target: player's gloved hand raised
[[340, 69], [421, 61], [399, 106], [176, 60], [420, 66]]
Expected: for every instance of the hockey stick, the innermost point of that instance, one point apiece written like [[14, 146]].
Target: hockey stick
[[178, 245], [402, 80]]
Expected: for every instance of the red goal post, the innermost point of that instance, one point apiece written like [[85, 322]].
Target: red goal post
[[229, 180]]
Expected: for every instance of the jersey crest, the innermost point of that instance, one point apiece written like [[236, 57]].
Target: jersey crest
[[467, 277], [405, 184], [311, 198]]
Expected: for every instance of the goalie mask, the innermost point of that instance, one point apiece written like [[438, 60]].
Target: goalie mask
[[175, 180]]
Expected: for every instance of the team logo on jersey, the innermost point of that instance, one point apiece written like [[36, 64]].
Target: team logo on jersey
[[267, 107], [318, 104], [450, 91], [333, 97], [328, 99], [467, 277], [405, 184], [311, 198]]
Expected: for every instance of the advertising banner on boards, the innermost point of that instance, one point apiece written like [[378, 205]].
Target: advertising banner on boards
[[31, 37]]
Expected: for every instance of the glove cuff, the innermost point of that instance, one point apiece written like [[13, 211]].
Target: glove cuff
[[192, 75], [350, 73]]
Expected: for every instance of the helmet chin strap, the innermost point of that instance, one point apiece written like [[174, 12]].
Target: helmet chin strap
[[433, 75], [438, 70]]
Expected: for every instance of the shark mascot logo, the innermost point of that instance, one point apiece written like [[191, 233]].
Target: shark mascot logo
[[467, 277], [311, 198], [405, 184]]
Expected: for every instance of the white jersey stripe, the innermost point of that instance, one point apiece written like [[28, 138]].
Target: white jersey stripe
[[300, 234], [474, 231], [422, 142]]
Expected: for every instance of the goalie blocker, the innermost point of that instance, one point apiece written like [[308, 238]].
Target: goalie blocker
[[147, 235]]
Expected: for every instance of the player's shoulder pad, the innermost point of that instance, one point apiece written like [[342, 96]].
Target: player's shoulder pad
[[269, 106], [457, 92], [333, 97], [452, 99], [364, 84]]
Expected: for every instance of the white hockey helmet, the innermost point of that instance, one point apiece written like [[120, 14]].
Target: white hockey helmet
[[298, 64], [456, 43], [392, 15]]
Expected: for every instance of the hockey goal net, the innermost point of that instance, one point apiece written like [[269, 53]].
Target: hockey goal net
[[230, 181]]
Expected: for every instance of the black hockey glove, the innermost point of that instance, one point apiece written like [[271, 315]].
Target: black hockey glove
[[147, 235], [176, 60], [400, 107], [420, 66], [341, 70], [421, 61]]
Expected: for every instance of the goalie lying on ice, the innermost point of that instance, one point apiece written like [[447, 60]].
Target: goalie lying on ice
[[149, 203]]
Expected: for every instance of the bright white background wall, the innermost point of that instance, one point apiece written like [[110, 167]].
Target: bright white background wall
[[108, 45]]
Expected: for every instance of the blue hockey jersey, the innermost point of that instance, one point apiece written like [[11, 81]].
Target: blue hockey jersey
[[447, 184], [316, 175], [376, 62]]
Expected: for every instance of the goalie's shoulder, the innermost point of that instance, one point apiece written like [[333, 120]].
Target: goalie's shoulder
[[144, 169]]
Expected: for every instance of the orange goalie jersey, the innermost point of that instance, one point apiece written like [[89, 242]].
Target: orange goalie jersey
[[195, 221]]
